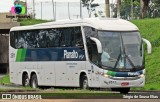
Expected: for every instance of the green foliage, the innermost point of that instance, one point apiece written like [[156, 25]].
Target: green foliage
[[149, 29], [125, 10], [31, 22], [154, 9], [90, 6], [5, 80]]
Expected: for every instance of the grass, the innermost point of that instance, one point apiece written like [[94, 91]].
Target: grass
[[5, 80], [32, 21], [150, 29]]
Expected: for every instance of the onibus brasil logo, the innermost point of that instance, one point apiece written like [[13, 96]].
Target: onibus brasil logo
[[18, 11]]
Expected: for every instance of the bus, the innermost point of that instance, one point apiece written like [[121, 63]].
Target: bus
[[85, 53]]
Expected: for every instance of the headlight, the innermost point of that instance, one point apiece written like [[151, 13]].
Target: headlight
[[105, 75], [141, 76]]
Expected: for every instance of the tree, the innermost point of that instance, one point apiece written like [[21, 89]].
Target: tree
[[118, 8], [126, 8], [144, 8], [154, 9], [90, 6], [107, 8]]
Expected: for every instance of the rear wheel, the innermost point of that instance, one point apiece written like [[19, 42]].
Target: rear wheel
[[124, 90], [25, 80], [34, 81]]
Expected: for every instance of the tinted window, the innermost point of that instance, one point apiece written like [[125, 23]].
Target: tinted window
[[77, 37], [66, 37], [12, 39], [41, 38], [90, 32], [56, 37]]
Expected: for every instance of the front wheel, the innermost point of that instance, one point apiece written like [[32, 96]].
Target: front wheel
[[34, 81], [85, 82], [124, 90], [121, 90]]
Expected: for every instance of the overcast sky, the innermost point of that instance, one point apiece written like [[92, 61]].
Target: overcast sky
[[5, 5]]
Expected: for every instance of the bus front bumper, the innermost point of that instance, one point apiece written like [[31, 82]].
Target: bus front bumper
[[112, 83]]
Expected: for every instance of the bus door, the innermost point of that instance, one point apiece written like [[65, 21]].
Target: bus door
[[93, 57]]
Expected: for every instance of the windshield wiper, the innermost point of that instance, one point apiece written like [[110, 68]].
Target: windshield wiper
[[126, 56], [119, 56]]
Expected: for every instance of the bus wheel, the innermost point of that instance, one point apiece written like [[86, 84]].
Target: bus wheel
[[34, 81], [85, 82], [124, 90], [115, 89], [25, 80]]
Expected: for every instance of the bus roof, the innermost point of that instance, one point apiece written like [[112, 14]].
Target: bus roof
[[109, 24]]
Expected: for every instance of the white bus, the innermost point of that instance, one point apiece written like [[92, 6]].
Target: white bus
[[86, 53]]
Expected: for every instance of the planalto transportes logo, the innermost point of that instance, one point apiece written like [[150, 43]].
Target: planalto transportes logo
[[18, 9]]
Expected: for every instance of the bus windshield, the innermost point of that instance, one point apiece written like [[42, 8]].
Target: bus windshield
[[121, 50]]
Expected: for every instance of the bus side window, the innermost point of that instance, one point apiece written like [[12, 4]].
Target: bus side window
[[19, 40], [92, 51], [51, 38], [77, 39], [41, 39], [90, 32], [12, 39], [66, 37], [57, 38], [92, 47]]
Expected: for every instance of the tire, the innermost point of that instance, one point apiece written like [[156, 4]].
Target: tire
[[84, 82], [34, 81], [124, 90], [115, 89], [25, 80]]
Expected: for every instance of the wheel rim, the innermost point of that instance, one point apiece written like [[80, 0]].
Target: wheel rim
[[34, 85], [85, 84], [26, 82]]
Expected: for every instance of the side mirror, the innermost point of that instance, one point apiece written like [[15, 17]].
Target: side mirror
[[149, 46], [98, 43]]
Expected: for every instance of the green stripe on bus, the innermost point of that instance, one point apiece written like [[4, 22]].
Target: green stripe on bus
[[19, 52], [23, 55], [111, 73]]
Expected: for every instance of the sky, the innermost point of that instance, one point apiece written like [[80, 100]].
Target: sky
[[5, 5]]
